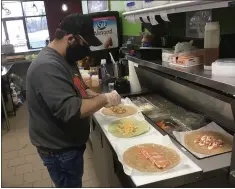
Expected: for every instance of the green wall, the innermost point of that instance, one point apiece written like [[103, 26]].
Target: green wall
[[128, 28]]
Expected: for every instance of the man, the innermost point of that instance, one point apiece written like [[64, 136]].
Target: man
[[60, 104]]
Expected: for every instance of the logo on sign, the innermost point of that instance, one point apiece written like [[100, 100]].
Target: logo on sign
[[102, 25]]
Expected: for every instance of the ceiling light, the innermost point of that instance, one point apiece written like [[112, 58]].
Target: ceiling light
[[64, 7]]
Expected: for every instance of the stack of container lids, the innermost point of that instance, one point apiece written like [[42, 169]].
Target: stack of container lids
[[224, 67]]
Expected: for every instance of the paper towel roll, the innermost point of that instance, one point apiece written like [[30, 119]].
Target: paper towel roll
[[133, 78]]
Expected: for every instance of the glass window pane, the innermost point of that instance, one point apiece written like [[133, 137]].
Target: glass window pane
[[16, 32], [34, 8], [11, 9], [37, 31], [3, 35]]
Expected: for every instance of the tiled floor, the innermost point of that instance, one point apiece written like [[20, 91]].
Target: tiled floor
[[21, 165]]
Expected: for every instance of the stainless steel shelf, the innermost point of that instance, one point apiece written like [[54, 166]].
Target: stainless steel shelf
[[194, 74], [177, 7]]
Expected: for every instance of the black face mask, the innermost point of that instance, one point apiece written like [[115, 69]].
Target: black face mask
[[77, 52]]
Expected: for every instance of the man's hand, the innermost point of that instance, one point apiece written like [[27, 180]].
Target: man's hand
[[113, 98], [91, 93]]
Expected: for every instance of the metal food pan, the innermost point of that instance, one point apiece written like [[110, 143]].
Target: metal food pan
[[159, 101], [190, 120], [169, 125], [144, 104]]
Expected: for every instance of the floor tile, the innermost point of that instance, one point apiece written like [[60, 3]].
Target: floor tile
[[25, 168], [12, 181], [8, 171], [33, 158], [10, 155], [53, 185], [10, 145], [26, 185], [33, 176], [88, 164], [45, 183], [89, 175], [4, 164], [38, 166], [90, 184], [29, 150], [45, 174], [16, 161]]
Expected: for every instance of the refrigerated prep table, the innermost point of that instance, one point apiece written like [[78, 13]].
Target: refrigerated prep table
[[179, 91]]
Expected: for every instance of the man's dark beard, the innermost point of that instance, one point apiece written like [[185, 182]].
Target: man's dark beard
[[77, 52]]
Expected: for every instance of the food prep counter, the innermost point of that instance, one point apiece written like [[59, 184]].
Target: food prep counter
[[174, 105]]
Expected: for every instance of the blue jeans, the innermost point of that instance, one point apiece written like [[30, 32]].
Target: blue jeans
[[65, 168]]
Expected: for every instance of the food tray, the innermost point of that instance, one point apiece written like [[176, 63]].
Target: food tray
[[168, 125], [156, 115], [190, 120], [159, 102], [176, 112], [143, 104]]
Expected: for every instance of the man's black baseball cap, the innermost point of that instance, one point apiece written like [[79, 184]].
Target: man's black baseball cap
[[78, 24]]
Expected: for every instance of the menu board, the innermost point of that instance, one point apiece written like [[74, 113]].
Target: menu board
[[105, 29]]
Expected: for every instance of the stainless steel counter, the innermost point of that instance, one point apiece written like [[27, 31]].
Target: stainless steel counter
[[194, 74]]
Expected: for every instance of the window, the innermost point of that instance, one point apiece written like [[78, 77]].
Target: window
[[24, 24], [34, 8], [11, 9], [37, 31]]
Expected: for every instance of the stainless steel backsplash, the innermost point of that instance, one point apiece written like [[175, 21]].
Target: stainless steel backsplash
[[188, 97]]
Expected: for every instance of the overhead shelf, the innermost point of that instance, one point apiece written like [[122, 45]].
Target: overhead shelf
[[178, 7]]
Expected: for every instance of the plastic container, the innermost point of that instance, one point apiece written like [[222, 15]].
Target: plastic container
[[95, 84], [103, 69], [153, 3], [185, 61], [212, 35], [115, 70], [95, 81], [167, 55], [94, 71], [133, 5], [211, 43], [224, 67], [87, 79]]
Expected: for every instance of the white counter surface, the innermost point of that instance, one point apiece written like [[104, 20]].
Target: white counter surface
[[143, 179]]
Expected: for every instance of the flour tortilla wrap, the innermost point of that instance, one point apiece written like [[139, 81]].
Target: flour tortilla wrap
[[142, 127], [130, 110], [191, 137], [134, 158]]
